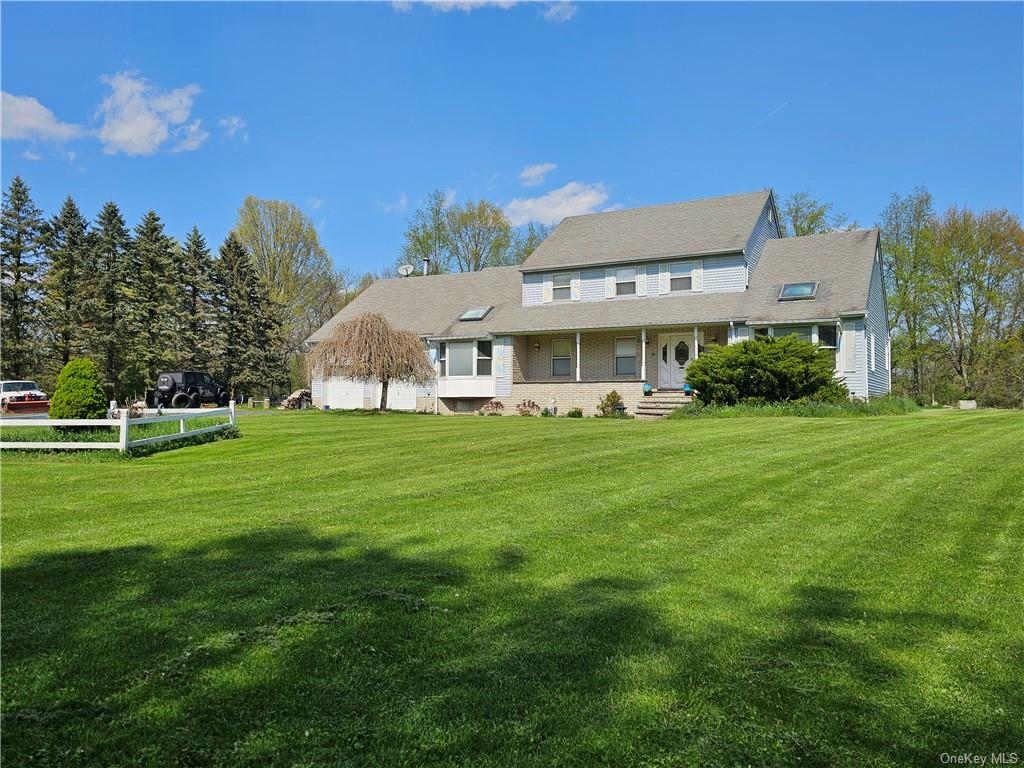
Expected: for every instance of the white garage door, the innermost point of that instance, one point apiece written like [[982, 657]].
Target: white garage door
[[401, 396], [341, 394]]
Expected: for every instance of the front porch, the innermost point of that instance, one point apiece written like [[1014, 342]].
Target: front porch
[[656, 356]]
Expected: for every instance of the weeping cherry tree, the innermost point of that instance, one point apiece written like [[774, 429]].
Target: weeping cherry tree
[[368, 348]]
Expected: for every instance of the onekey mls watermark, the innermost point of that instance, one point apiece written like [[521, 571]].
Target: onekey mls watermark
[[977, 758]]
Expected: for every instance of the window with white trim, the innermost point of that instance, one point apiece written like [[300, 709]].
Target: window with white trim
[[625, 281], [802, 332], [460, 358], [625, 356], [483, 358], [442, 358], [828, 338], [680, 276], [561, 286], [561, 357]]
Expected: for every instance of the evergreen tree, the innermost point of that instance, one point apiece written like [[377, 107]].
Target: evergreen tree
[[195, 311], [155, 303], [110, 296], [21, 230], [251, 350], [64, 304]]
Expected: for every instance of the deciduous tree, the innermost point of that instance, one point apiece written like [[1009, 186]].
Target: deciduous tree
[[803, 215], [368, 348]]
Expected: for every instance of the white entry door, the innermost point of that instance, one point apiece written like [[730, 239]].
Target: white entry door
[[675, 351]]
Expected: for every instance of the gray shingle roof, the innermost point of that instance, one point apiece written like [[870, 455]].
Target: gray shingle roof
[[430, 305], [840, 262], [693, 228]]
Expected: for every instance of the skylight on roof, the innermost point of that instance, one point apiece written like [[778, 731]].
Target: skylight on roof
[[797, 291], [475, 313]]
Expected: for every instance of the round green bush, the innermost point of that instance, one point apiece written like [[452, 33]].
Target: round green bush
[[766, 370], [79, 393]]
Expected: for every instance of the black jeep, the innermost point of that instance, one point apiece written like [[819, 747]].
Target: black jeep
[[188, 389]]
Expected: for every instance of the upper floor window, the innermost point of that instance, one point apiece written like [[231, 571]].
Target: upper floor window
[[561, 287], [625, 281], [796, 291], [681, 277]]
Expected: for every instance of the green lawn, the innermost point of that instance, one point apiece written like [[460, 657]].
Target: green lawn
[[417, 590]]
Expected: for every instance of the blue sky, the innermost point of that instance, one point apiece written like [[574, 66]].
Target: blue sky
[[355, 111]]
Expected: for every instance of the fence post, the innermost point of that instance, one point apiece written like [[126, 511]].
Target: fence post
[[112, 408], [122, 444], [181, 426], [231, 405]]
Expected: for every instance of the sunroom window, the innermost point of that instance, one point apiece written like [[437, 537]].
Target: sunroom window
[[483, 358], [561, 287], [625, 282], [460, 358]]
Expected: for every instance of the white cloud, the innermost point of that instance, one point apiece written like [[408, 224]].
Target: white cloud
[[25, 118], [315, 203], [399, 205], [28, 154], [563, 10], [446, 6], [574, 199], [234, 125], [190, 137], [138, 118], [533, 175]]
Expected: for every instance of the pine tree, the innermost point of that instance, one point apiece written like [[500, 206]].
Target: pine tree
[[155, 303], [195, 322], [110, 296], [21, 230], [251, 348], [64, 307]]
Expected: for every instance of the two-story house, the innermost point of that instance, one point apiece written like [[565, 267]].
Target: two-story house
[[619, 299]]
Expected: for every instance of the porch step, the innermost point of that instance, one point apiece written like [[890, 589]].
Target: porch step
[[660, 404]]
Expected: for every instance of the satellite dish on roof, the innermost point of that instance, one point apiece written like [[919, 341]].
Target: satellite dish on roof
[[405, 270]]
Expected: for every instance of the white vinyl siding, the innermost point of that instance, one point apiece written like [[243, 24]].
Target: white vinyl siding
[[719, 274], [723, 274], [592, 285], [764, 230], [503, 366], [533, 289], [878, 374]]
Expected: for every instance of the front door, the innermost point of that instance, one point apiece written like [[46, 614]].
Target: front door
[[675, 351]]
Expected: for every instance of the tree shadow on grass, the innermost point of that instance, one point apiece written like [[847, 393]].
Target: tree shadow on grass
[[281, 647]]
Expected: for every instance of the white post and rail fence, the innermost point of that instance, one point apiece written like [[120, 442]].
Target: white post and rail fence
[[122, 423]]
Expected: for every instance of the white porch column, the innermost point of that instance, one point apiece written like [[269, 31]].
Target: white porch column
[[696, 343], [732, 332], [577, 355], [643, 354]]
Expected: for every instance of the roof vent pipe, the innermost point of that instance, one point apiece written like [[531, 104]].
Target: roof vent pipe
[[426, 265]]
